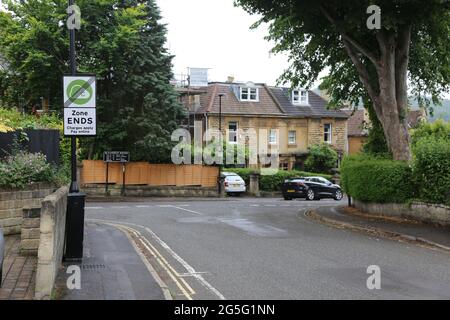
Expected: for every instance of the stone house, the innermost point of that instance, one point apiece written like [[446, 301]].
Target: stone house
[[293, 119]]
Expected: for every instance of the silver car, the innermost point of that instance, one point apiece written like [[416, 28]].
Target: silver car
[[2, 252]]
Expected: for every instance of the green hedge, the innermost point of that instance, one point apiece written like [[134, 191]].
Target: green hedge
[[432, 169], [273, 182], [377, 180]]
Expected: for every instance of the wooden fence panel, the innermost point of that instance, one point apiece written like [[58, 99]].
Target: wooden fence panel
[[143, 173], [136, 173], [210, 176]]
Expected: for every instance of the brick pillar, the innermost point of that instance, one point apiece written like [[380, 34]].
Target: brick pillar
[[253, 188], [31, 232]]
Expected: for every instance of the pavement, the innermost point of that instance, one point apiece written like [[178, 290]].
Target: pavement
[[433, 236], [19, 272], [111, 269], [268, 248]]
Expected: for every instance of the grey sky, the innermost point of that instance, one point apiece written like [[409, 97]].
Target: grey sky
[[214, 34]]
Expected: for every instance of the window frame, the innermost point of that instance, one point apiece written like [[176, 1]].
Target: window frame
[[295, 137], [249, 94], [235, 132], [328, 133], [269, 137], [296, 97]]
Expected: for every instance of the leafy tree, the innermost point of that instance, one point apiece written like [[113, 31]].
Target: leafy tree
[[321, 158], [123, 43], [412, 44]]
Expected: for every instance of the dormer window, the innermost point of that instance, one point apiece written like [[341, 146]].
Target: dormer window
[[249, 94], [300, 97]]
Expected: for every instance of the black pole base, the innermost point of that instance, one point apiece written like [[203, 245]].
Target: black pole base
[[74, 227]]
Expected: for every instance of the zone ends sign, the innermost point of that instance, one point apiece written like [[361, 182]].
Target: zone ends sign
[[79, 105], [80, 92], [79, 122]]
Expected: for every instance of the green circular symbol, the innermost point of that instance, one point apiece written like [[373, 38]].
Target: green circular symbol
[[79, 92]]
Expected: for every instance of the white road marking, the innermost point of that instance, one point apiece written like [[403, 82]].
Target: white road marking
[[142, 206], [254, 205], [191, 211], [94, 208], [189, 268], [191, 274]]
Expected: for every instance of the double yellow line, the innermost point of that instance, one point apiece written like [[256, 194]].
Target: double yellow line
[[137, 237]]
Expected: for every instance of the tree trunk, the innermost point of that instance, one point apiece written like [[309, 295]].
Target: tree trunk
[[391, 103], [395, 131], [388, 91]]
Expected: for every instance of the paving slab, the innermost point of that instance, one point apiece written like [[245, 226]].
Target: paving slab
[[19, 272]]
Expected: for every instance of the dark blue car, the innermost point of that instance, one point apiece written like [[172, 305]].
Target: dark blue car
[[310, 188]]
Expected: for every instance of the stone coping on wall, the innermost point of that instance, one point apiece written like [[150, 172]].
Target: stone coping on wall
[[150, 191], [12, 202], [51, 241], [438, 214]]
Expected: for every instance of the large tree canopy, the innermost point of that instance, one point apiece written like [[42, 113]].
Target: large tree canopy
[[411, 48], [122, 42]]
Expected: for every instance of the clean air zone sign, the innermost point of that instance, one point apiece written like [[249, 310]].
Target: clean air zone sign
[[79, 105]]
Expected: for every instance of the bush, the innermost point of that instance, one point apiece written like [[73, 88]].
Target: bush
[[432, 168], [438, 130], [321, 158], [12, 120], [379, 180], [23, 168]]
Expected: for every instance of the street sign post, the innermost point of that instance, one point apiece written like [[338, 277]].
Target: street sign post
[[116, 156], [79, 120]]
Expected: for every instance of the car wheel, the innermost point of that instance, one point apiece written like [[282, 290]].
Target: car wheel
[[310, 195], [287, 198], [338, 195]]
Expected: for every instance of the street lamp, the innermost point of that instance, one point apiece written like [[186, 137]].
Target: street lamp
[[220, 139]]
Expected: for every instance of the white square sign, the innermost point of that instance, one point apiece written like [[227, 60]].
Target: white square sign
[[80, 91], [80, 122]]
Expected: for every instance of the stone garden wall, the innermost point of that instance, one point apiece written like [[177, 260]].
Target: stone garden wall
[[12, 203], [424, 212]]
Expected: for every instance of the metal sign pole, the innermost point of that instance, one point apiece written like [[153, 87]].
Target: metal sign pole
[[107, 176], [123, 178], [73, 71], [75, 200]]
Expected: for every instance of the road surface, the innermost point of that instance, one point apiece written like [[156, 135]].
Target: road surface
[[247, 248]]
